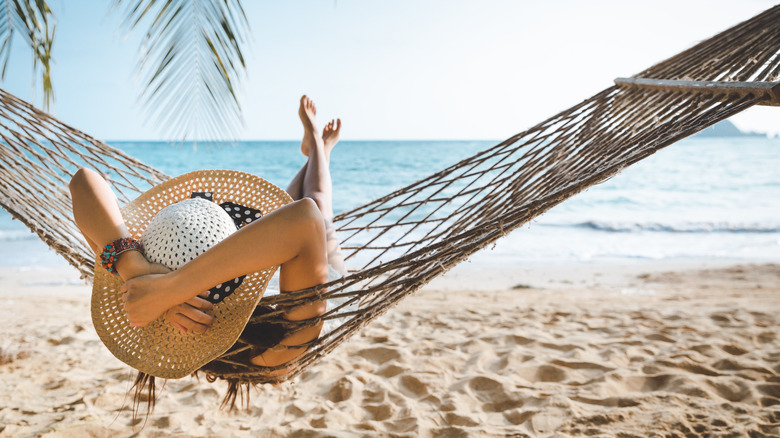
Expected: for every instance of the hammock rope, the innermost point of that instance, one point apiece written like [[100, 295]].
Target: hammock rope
[[399, 242]]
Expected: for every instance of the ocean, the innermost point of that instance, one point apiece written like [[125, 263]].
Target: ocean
[[702, 199]]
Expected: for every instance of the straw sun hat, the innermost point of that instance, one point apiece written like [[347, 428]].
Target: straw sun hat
[[179, 233]]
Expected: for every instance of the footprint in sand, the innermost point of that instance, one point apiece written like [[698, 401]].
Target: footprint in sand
[[766, 402], [766, 337], [518, 417], [380, 412], [493, 394], [734, 350], [733, 365], [772, 390], [733, 390], [413, 386], [340, 391], [517, 340], [389, 370], [660, 337], [379, 355], [625, 384], [454, 419], [543, 373], [561, 347], [485, 385]]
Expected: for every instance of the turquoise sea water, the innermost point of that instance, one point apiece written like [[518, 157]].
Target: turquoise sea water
[[701, 199]]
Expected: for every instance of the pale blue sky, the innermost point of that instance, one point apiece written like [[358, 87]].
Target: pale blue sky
[[401, 69]]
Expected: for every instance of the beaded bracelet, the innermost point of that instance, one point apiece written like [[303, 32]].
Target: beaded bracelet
[[111, 252]]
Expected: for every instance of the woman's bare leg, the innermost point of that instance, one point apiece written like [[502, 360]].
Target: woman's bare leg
[[316, 181], [330, 136], [295, 188]]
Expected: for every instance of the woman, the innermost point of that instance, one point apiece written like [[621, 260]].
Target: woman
[[299, 237]]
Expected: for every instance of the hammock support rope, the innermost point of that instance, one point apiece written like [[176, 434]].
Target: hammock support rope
[[401, 241], [770, 90]]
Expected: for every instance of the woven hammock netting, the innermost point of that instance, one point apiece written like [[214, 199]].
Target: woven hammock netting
[[396, 244]]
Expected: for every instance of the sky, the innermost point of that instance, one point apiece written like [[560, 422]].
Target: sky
[[401, 69]]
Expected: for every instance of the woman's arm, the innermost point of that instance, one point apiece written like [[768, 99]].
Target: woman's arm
[[96, 212], [292, 236]]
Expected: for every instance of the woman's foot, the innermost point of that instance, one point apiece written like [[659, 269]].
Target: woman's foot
[[330, 136], [308, 114], [307, 111]]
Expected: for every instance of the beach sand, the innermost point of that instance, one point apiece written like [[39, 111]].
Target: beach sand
[[628, 351]]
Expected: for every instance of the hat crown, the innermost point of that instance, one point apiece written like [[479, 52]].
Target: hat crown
[[182, 231]]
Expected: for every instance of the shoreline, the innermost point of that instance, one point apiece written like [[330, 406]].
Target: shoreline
[[639, 349], [484, 274]]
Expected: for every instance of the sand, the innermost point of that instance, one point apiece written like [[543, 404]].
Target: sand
[[626, 351]]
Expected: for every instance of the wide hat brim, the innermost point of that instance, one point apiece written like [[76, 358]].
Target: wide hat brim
[[159, 349]]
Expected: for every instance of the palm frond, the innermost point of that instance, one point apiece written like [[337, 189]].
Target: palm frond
[[10, 22], [191, 60], [34, 21]]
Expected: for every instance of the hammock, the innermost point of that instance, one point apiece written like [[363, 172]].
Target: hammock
[[401, 241]]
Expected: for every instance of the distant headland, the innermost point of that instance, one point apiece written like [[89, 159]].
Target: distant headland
[[725, 128]]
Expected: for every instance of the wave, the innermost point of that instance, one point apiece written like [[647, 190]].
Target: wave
[[686, 227]]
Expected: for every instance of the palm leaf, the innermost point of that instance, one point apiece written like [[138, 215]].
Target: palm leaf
[[191, 57], [34, 21], [10, 22]]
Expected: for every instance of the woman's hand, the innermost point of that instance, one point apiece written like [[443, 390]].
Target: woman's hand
[[191, 315], [147, 297]]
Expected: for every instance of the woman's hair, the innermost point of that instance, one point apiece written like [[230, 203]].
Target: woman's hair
[[259, 336]]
